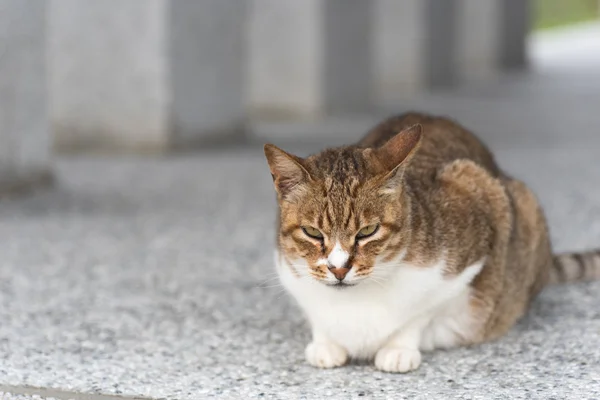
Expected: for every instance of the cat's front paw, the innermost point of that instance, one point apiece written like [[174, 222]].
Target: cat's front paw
[[397, 359], [326, 355]]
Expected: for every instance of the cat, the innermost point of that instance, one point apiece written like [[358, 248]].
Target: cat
[[411, 240]]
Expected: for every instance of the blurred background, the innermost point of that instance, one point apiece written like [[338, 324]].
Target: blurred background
[[158, 76], [137, 210]]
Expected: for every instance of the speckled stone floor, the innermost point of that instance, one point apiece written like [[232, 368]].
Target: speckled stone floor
[[152, 278], [10, 396]]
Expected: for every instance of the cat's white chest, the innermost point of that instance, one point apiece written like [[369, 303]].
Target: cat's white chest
[[362, 318], [361, 324]]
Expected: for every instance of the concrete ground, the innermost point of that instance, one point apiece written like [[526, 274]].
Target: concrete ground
[[153, 278]]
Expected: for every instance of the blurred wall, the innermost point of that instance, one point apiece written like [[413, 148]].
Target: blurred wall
[[24, 134], [152, 75], [109, 73], [156, 75], [145, 75], [308, 59]]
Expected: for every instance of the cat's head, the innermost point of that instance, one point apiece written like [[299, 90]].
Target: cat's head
[[343, 211]]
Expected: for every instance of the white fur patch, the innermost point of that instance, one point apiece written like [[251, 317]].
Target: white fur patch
[[325, 354], [322, 261], [363, 318], [338, 256], [398, 359]]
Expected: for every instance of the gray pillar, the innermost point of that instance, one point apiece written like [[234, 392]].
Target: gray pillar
[[440, 44], [478, 39], [414, 47], [146, 75], [309, 57], [398, 38], [515, 22], [207, 69], [24, 136]]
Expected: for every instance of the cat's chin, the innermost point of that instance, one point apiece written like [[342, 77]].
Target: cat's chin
[[341, 285]]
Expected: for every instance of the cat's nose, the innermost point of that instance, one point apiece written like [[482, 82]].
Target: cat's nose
[[339, 273]]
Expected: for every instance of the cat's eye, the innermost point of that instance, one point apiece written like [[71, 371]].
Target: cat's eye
[[367, 231], [312, 232]]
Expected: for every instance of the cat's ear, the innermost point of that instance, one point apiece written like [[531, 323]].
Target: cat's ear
[[286, 169], [396, 153]]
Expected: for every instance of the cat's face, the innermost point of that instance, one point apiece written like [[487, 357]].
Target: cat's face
[[336, 236], [341, 211]]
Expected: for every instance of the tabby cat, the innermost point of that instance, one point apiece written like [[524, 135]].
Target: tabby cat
[[411, 240]]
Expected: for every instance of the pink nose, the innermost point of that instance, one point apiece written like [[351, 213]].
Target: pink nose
[[339, 273]]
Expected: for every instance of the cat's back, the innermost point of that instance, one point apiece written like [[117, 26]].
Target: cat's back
[[444, 141]]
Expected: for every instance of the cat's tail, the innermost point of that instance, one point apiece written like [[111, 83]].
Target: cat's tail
[[571, 267]]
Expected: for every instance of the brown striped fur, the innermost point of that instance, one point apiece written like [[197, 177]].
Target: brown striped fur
[[436, 190], [570, 267]]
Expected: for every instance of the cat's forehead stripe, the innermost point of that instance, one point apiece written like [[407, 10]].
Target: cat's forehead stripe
[[348, 216], [340, 164]]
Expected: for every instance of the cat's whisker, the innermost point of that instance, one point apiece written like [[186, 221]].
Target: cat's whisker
[[378, 282], [280, 295], [274, 276], [267, 281], [272, 286]]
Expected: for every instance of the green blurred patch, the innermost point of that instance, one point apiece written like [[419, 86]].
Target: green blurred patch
[[555, 13]]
